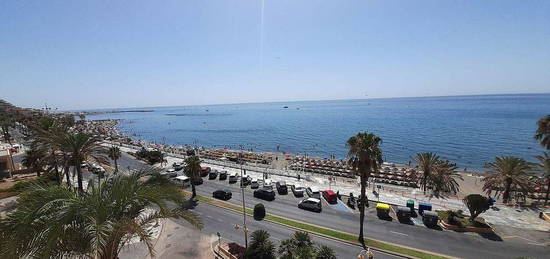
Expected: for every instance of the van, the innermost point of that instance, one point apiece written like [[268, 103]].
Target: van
[[330, 196], [182, 181], [313, 192]]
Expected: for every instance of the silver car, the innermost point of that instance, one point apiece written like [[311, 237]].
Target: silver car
[[313, 192], [298, 190], [312, 204]]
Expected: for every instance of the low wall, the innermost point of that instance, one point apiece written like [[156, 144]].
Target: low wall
[[464, 229]]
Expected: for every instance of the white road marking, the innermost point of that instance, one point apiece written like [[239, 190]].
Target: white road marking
[[399, 233]]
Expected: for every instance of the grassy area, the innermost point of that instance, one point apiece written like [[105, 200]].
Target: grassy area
[[325, 231], [461, 220]]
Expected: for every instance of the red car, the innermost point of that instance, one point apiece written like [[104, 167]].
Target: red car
[[330, 196]]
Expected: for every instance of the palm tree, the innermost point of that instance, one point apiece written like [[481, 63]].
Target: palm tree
[[193, 170], [545, 168], [115, 154], [506, 173], [80, 147], [365, 158], [543, 131], [300, 246], [427, 163], [443, 178], [34, 159], [260, 247], [325, 252], [56, 222]]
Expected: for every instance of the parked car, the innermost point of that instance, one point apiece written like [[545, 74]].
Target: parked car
[[265, 194], [313, 192], [181, 180], [198, 181], [223, 176], [310, 204], [245, 181], [212, 175], [254, 184], [298, 190], [281, 187], [268, 184], [222, 194], [330, 196], [177, 166], [233, 178], [205, 171]]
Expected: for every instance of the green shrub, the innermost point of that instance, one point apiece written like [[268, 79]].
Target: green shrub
[[259, 211]]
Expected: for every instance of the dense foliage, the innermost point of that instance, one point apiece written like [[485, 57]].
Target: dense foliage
[[259, 211], [476, 204], [55, 221]]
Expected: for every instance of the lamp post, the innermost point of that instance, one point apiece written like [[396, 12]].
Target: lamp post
[[219, 241], [244, 208]]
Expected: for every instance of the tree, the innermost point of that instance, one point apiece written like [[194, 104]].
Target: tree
[[80, 147], [543, 131], [115, 154], [365, 156], [428, 163], [193, 171], [325, 252], [259, 211], [442, 178], [506, 173], [34, 159], [544, 166], [56, 222], [260, 247], [476, 204], [300, 246]]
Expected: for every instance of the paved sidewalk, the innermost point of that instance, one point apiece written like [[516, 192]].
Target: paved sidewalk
[[175, 241]]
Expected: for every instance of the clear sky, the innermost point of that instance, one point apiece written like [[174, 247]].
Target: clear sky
[[90, 54]]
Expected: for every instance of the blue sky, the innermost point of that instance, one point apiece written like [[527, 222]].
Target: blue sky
[[95, 54]]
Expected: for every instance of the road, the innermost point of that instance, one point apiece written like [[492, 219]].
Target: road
[[445, 242], [221, 220]]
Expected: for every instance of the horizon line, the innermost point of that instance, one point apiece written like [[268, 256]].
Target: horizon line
[[294, 101]]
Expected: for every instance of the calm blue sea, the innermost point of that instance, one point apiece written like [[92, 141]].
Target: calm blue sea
[[469, 130]]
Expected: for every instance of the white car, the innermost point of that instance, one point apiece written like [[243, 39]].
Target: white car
[[268, 184], [310, 204], [313, 192], [298, 190]]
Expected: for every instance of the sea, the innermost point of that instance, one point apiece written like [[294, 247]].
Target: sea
[[467, 130]]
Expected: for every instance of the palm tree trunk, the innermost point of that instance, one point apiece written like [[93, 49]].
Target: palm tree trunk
[[66, 172], [116, 166], [362, 210], [506, 194], [547, 191], [79, 178], [194, 191], [57, 178]]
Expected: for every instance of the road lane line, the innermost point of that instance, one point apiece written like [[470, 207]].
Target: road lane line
[[399, 233]]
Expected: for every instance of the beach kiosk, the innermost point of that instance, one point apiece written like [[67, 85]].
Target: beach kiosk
[[382, 210], [403, 214], [430, 218], [424, 206]]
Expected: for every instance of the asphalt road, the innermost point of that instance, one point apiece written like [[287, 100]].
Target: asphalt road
[[445, 242], [223, 221]]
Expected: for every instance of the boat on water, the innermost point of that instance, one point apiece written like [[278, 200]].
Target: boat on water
[[286, 107]]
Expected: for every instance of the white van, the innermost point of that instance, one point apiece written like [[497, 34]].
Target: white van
[[182, 181]]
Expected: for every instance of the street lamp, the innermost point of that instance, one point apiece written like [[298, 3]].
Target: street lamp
[[242, 192], [219, 241]]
